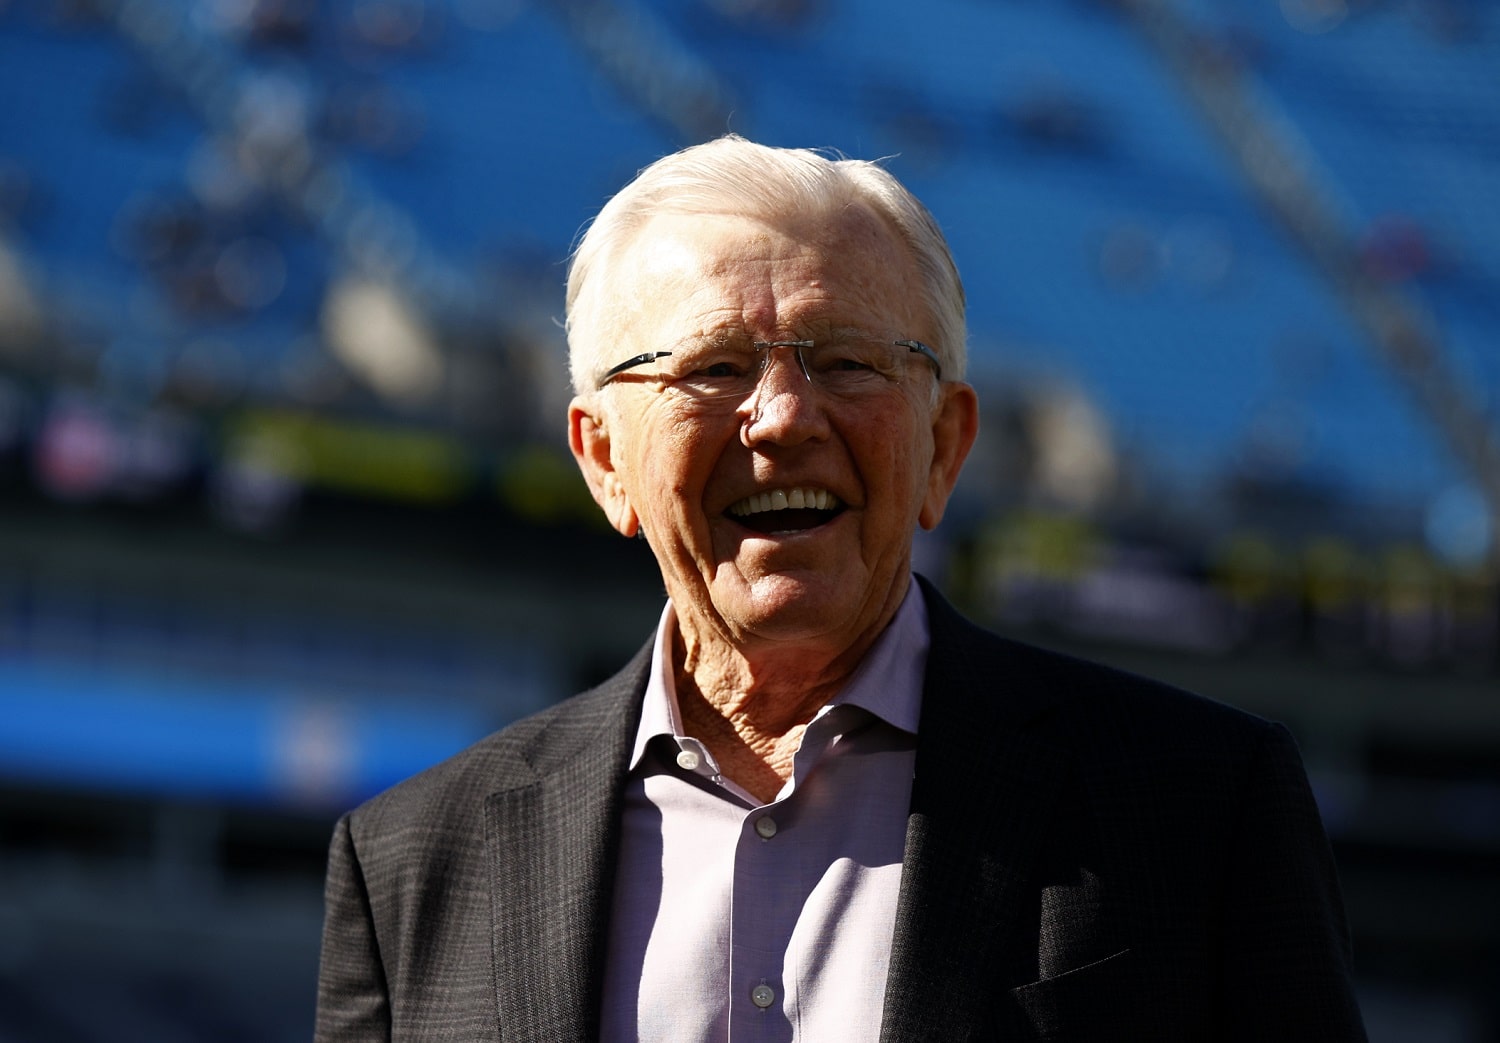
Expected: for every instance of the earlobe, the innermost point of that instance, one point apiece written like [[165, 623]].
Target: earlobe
[[955, 425], [588, 437]]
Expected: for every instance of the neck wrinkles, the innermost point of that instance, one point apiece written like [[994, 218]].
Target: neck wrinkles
[[769, 687]]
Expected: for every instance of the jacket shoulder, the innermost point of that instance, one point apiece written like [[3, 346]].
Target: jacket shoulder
[[450, 795], [1087, 705]]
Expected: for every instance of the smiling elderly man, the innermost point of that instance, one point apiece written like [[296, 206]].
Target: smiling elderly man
[[819, 804]]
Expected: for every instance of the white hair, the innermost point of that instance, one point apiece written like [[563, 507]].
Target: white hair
[[734, 176]]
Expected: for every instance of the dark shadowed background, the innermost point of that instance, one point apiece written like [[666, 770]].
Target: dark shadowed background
[[286, 512]]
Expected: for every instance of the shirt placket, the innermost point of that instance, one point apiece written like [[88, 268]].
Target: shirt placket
[[766, 899]]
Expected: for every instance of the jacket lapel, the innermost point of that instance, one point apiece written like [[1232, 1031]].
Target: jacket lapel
[[982, 803], [551, 841]]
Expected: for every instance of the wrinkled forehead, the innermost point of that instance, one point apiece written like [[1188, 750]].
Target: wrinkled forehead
[[833, 231], [772, 271]]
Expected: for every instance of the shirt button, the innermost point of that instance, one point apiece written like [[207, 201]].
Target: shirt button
[[763, 996], [687, 760], [766, 827]]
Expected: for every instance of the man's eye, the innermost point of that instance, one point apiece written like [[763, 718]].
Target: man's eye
[[719, 369], [848, 364]]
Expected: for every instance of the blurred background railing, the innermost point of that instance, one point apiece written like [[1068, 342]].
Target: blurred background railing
[[286, 512]]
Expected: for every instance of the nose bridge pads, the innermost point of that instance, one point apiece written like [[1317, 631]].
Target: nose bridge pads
[[767, 346]]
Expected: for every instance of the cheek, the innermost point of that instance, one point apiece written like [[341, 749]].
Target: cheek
[[670, 471], [894, 458]]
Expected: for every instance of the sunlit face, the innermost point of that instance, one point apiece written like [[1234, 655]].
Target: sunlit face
[[787, 514]]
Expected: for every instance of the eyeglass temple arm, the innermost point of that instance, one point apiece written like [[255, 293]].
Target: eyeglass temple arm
[[922, 349], [630, 363]]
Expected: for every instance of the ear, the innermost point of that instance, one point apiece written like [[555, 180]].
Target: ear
[[955, 425], [588, 437]]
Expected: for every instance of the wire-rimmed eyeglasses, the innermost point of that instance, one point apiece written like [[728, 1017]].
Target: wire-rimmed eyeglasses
[[847, 366]]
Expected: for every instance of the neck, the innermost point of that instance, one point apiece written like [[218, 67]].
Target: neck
[[750, 708]]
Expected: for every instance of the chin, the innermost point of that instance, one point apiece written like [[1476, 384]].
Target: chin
[[788, 605]]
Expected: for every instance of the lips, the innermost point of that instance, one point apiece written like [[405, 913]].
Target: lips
[[786, 510]]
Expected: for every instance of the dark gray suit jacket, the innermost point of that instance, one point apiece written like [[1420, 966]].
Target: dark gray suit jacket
[[1089, 856]]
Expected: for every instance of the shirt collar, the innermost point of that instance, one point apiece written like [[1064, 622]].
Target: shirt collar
[[887, 682]]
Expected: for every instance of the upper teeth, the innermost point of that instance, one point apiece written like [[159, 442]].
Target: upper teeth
[[781, 499]]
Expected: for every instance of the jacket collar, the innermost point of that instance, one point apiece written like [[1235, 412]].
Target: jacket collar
[[981, 812], [982, 799], [550, 840]]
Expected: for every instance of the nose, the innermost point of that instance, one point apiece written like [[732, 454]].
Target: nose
[[783, 407]]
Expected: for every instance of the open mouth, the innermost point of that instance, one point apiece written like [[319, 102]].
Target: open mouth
[[786, 510]]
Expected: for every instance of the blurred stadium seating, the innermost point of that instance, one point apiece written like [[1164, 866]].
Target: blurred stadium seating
[[286, 514]]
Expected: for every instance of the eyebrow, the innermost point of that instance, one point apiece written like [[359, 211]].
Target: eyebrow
[[721, 338], [818, 331]]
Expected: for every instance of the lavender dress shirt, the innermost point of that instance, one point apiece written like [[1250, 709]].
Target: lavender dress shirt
[[735, 920]]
